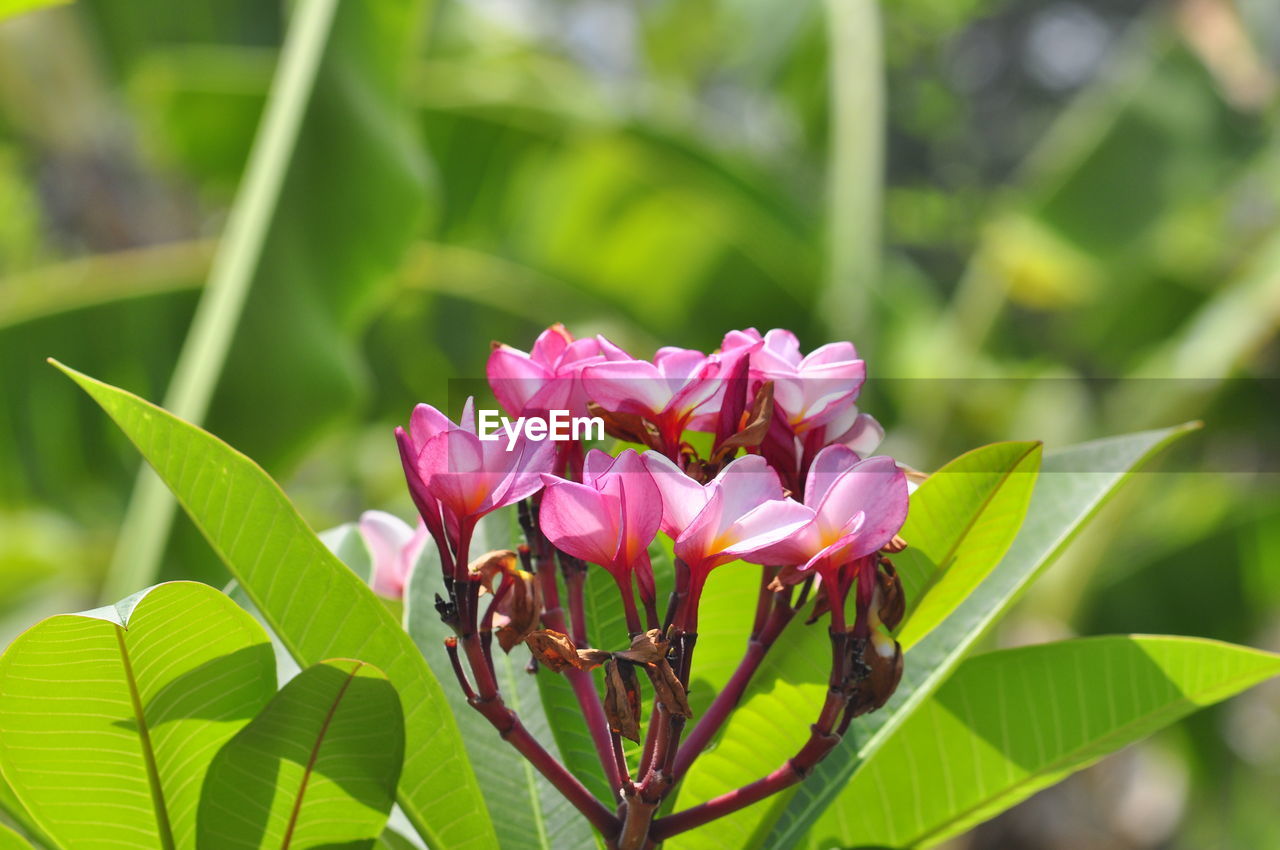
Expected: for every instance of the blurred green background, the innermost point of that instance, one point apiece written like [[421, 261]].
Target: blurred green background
[[1055, 220]]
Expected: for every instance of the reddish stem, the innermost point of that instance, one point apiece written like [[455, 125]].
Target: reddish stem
[[583, 685], [728, 697], [627, 592], [791, 772], [513, 731]]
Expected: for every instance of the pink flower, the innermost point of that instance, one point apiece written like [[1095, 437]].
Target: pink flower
[[854, 430], [449, 467], [808, 390], [394, 548], [547, 377], [855, 507], [609, 519], [740, 511], [680, 388]]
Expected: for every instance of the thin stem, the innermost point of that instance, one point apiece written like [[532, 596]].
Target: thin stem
[[729, 696], [513, 731], [584, 688], [575, 583], [791, 772], [822, 739], [627, 592]]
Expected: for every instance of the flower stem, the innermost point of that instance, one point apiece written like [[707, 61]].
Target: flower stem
[[513, 731], [728, 697], [822, 739], [553, 618]]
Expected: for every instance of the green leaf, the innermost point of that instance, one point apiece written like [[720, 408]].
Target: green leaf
[[792, 680], [20, 817], [1009, 723], [528, 812], [111, 716], [316, 606], [10, 840], [317, 767], [1073, 484], [303, 240], [962, 520]]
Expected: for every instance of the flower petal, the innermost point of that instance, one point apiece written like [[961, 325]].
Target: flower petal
[[682, 497]]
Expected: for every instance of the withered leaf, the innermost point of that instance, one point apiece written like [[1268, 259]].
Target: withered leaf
[[891, 603], [668, 690], [627, 426], [622, 698], [647, 648], [755, 425], [490, 564], [520, 609], [882, 665], [558, 652]]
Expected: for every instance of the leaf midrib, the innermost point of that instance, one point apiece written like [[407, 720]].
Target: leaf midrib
[[163, 827], [315, 753]]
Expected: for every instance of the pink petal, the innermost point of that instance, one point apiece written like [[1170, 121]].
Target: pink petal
[[747, 482], [740, 339], [453, 465], [514, 378], [596, 464], [875, 486], [641, 502], [522, 477], [783, 345], [387, 536], [550, 344], [830, 464], [832, 352], [425, 422], [580, 521], [682, 497], [631, 386], [767, 525]]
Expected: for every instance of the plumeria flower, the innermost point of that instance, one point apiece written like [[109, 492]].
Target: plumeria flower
[[678, 387], [739, 512], [547, 376], [854, 508], [808, 390], [454, 474], [854, 430], [394, 548], [609, 519]]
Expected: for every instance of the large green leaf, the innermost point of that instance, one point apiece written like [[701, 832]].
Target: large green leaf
[[316, 606], [962, 521], [1073, 484], [1009, 723], [792, 681], [112, 716], [317, 767], [528, 812]]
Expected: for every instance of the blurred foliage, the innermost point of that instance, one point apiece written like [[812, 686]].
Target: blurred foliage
[[1081, 230]]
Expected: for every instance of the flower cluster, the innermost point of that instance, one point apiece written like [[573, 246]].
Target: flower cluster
[[787, 484]]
